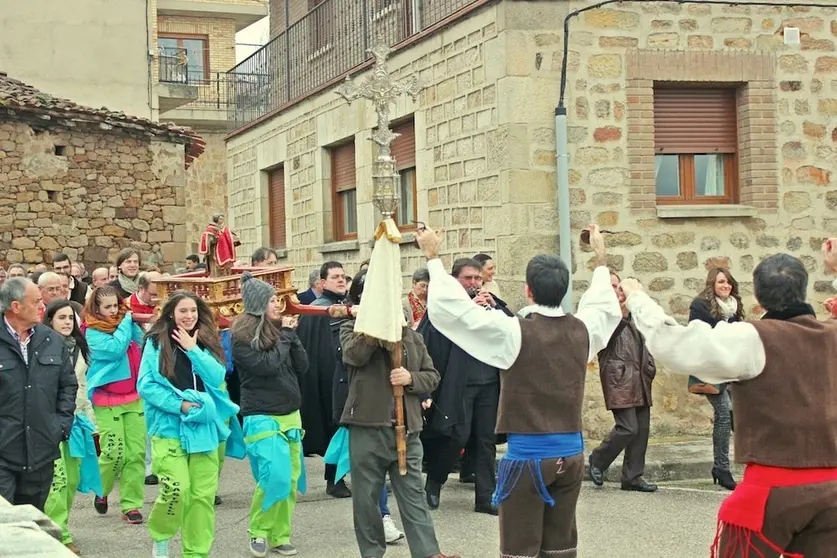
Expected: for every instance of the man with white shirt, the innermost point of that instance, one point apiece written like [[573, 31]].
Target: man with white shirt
[[785, 369], [543, 362]]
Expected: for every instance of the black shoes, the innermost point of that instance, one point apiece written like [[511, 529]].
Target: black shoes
[[338, 489], [639, 485], [152, 480], [487, 509], [468, 478], [218, 500], [432, 490], [596, 474], [723, 478]]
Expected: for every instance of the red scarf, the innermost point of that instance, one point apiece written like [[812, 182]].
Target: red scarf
[[741, 517], [417, 307]]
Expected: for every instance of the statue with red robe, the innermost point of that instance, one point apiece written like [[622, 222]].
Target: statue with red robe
[[218, 245]]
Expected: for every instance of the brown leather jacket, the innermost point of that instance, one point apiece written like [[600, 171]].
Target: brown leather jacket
[[626, 369]]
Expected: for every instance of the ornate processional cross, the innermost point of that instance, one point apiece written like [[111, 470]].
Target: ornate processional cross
[[382, 91]]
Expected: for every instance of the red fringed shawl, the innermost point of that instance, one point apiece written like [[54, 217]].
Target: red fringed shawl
[[741, 517]]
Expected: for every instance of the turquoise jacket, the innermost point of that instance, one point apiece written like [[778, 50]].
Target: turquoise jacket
[[82, 447], [200, 430], [109, 354], [337, 453], [269, 451]]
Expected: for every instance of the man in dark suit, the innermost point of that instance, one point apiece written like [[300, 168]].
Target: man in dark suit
[[315, 288]]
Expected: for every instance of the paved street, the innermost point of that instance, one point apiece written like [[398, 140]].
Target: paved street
[[677, 521]]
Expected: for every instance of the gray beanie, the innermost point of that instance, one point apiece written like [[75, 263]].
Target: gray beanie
[[256, 294]]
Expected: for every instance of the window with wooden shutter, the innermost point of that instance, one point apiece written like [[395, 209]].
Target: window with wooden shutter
[[276, 213], [695, 145], [344, 191], [404, 152]]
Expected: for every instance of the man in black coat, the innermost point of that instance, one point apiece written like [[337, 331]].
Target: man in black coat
[[464, 404], [320, 335], [62, 265], [37, 395]]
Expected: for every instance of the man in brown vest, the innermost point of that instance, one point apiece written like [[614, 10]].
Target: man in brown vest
[[785, 369], [543, 363]]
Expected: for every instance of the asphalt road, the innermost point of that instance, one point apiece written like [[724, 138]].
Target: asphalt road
[[678, 521]]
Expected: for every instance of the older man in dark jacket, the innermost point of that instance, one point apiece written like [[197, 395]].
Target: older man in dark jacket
[[37, 395], [627, 370]]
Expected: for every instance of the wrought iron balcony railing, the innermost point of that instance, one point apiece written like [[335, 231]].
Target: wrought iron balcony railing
[[325, 44]]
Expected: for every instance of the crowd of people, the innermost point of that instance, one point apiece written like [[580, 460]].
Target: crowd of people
[[94, 397]]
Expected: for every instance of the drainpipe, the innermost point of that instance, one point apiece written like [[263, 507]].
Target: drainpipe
[[562, 178]]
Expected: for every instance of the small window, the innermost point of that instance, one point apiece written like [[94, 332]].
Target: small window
[[404, 152], [183, 59], [695, 145], [344, 191], [60, 150], [276, 202]]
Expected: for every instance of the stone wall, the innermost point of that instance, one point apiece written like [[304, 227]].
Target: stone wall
[[206, 187], [88, 195]]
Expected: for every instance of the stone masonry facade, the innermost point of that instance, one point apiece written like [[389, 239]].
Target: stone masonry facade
[[101, 194], [486, 162]]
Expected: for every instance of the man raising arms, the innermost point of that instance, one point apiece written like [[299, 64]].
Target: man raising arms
[[785, 371], [541, 389]]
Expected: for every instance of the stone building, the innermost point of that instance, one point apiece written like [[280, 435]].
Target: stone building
[[88, 182], [162, 59], [699, 134]]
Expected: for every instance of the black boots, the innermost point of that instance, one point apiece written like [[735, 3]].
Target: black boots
[[724, 478]]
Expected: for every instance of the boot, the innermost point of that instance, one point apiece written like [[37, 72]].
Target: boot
[[723, 478]]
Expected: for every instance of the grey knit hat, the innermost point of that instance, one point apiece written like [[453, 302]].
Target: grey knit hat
[[256, 294]]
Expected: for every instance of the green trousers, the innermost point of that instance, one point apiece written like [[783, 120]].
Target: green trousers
[[274, 525], [122, 441], [186, 500], [65, 481]]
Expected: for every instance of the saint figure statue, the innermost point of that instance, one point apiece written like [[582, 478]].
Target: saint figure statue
[[218, 245]]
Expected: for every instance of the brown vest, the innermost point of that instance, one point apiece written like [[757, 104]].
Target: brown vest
[[543, 391], [787, 415]]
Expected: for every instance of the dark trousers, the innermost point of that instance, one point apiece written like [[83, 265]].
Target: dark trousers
[[531, 527], [631, 435], [480, 403], [372, 454], [26, 487], [798, 519]]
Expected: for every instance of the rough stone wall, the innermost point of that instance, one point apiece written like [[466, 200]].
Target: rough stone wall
[[608, 116], [206, 187], [104, 193]]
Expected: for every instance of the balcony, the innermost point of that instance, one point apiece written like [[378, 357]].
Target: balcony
[[190, 95], [244, 12], [327, 43]]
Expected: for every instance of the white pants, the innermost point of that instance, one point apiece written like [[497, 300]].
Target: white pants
[[147, 455]]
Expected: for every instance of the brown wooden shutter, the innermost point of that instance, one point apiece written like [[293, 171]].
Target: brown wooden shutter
[[276, 199], [404, 146], [343, 168], [694, 121]]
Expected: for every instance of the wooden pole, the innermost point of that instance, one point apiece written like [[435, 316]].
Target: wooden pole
[[400, 428]]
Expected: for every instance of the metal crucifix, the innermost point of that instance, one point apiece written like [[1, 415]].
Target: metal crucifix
[[382, 91]]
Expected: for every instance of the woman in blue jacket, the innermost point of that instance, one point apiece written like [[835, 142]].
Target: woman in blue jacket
[[187, 411]]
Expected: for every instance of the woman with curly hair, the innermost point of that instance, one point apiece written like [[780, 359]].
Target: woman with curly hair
[[182, 384], [114, 340], [719, 301]]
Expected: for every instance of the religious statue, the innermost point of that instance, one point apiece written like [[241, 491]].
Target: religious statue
[[218, 245]]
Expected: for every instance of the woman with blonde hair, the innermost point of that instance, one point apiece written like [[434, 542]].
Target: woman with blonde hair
[[719, 301], [182, 384], [114, 340]]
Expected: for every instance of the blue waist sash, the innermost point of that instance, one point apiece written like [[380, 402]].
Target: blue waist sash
[[525, 452]]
